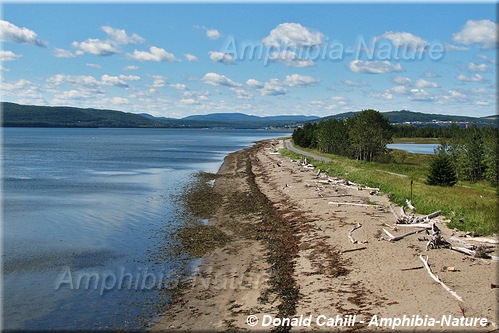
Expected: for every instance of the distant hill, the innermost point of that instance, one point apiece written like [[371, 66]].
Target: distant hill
[[425, 119], [245, 117], [16, 115]]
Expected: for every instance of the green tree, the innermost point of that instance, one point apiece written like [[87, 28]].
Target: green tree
[[442, 171], [369, 132], [332, 137]]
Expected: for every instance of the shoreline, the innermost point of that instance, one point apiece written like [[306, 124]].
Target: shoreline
[[287, 256]]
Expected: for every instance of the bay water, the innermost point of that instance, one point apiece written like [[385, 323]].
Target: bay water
[[86, 217]]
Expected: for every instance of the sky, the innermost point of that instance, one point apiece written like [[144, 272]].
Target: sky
[[180, 59]]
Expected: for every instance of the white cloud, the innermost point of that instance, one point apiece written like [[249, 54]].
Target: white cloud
[[421, 95], [188, 101], [179, 86], [96, 47], [404, 39], [121, 37], [11, 33], [86, 81], [61, 53], [374, 67], [401, 90], [213, 33], [477, 67], [254, 83], [129, 77], [273, 87], [293, 35], [296, 80], [158, 81], [352, 83], [403, 80], [130, 68], [471, 78], [483, 32], [220, 57], [155, 54], [215, 79], [425, 84], [451, 47], [9, 56], [118, 100], [93, 65], [242, 93], [4, 70], [190, 57], [291, 59], [381, 95], [430, 74]]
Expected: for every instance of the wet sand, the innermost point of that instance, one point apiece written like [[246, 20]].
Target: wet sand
[[286, 258]]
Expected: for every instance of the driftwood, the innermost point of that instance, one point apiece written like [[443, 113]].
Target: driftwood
[[352, 204], [411, 268], [412, 219], [356, 249], [434, 277], [409, 204], [351, 231], [483, 240], [436, 241], [393, 238], [416, 225], [480, 252], [393, 212]]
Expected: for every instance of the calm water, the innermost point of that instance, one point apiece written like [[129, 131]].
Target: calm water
[[415, 148], [95, 205]]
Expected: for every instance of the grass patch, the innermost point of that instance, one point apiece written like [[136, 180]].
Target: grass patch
[[470, 207]]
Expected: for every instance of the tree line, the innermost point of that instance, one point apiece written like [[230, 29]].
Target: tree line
[[470, 154], [363, 136]]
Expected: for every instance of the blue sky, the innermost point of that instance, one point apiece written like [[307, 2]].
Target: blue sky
[[176, 60]]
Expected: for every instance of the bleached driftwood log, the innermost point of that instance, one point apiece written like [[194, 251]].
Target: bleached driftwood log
[[434, 277], [351, 204], [483, 240], [350, 237], [436, 241], [393, 238], [409, 204]]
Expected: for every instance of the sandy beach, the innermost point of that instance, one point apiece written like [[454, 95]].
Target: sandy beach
[[288, 257]]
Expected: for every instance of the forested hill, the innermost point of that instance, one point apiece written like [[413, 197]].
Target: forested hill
[[423, 119], [16, 115]]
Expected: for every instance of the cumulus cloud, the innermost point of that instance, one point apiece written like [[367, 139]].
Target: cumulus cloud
[[425, 84], [430, 74], [404, 39], [61, 53], [451, 47], [296, 80], [130, 68], [483, 32], [471, 78], [293, 35], [242, 93], [179, 86], [291, 59], [96, 47], [213, 33], [86, 81], [215, 79], [190, 57], [254, 83], [155, 54], [401, 80], [158, 81], [273, 87], [381, 95], [477, 67], [9, 56], [93, 65], [352, 83], [221, 57], [12, 33], [121, 37], [374, 67]]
